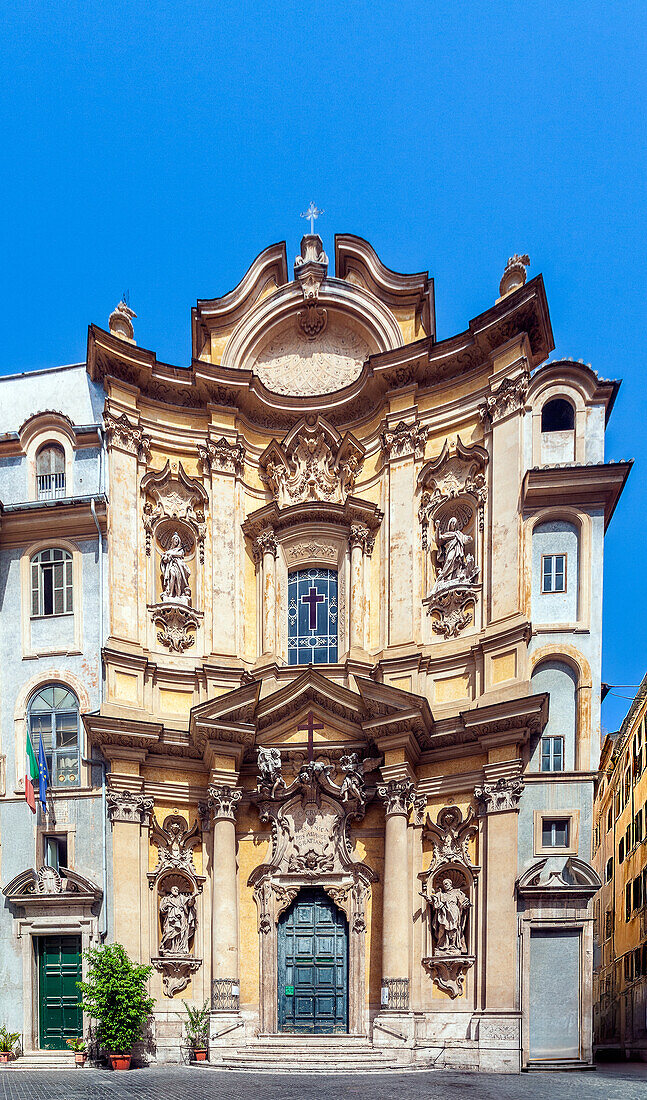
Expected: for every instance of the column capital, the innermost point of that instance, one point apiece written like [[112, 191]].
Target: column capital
[[397, 795], [128, 806], [264, 543], [499, 797], [223, 802], [360, 536]]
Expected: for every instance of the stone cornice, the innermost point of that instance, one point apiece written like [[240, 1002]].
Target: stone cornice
[[283, 520], [422, 362], [70, 517], [598, 485]]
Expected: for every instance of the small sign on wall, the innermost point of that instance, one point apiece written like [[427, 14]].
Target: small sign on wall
[[289, 991]]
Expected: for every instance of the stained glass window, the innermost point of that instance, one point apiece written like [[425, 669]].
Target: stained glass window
[[312, 616]]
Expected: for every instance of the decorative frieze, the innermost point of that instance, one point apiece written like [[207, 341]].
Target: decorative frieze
[[297, 552], [397, 795], [128, 806], [403, 440], [509, 396], [499, 797], [130, 437], [222, 456]]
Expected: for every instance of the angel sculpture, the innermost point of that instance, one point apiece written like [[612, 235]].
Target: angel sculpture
[[269, 769], [352, 785]]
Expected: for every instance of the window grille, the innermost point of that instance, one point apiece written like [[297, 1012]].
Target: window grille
[[313, 616], [395, 993], [225, 994]]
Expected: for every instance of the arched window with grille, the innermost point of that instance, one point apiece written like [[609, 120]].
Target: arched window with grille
[[52, 589], [54, 716], [50, 471]]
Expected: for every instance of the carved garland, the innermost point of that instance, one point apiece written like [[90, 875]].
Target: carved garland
[[313, 462]]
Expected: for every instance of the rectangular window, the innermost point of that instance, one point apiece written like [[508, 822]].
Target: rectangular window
[[608, 924], [637, 893], [609, 870], [617, 806], [554, 832], [628, 839], [626, 786], [628, 901], [552, 754], [55, 848], [609, 818], [313, 616], [553, 573], [51, 583], [638, 827], [628, 967]]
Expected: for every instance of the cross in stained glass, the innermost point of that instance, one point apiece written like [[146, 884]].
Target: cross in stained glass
[[312, 599], [311, 726]]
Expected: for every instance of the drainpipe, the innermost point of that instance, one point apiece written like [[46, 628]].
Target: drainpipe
[[103, 929]]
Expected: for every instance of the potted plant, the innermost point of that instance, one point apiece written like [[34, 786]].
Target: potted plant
[[197, 1030], [114, 994], [8, 1040], [80, 1049]]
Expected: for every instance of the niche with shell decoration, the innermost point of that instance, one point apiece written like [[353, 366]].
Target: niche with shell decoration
[[449, 896], [173, 514], [175, 885], [453, 494]]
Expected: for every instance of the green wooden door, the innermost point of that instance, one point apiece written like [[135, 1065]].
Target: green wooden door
[[313, 966], [59, 969]]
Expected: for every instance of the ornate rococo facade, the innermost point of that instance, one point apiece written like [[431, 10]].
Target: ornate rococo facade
[[324, 711]]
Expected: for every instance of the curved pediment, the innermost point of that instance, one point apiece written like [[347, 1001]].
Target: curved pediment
[[48, 886]]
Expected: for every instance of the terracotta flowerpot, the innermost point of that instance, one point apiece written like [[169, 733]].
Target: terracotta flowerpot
[[120, 1061], [4, 1056], [200, 1054], [80, 1057]]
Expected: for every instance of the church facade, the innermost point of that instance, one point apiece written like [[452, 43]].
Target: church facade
[[351, 669]]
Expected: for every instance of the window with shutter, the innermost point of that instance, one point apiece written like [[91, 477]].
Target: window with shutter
[[51, 583]]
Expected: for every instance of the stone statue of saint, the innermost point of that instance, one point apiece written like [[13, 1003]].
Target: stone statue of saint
[[177, 914], [457, 565], [175, 573], [449, 907]]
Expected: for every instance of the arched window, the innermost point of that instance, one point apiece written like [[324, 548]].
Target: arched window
[[556, 749], [54, 716], [557, 415], [312, 616], [52, 591], [50, 471]]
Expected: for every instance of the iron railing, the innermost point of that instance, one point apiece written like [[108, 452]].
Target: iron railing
[[50, 486], [395, 993], [225, 994]]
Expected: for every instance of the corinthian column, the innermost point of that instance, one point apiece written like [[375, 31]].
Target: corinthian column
[[360, 542], [224, 916], [265, 549], [398, 798]]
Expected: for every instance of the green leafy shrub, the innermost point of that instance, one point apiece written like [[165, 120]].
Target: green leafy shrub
[[8, 1040], [197, 1026], [115, 996], [79, 1046]]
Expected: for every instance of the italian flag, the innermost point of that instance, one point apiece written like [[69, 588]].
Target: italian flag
[[31, 775]]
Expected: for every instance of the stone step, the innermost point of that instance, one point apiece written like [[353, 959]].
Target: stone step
[[311, 1065], [45, 1059]]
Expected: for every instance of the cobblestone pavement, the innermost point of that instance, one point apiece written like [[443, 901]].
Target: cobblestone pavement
[[609, 1082]]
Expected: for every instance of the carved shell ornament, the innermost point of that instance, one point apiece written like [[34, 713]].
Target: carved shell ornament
[[293, 364]]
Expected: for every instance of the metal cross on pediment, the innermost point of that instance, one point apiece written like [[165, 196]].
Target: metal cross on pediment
[[311, 726], [312, 213]]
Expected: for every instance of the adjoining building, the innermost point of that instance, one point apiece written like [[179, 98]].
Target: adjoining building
[[620, 859], [56, 863], [353, 668]]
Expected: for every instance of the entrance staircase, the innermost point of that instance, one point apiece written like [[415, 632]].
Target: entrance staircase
[[292, 1054], [44, 1059]]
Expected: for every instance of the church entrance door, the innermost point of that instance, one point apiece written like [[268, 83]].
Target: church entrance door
[[313, 966], [59, 969]]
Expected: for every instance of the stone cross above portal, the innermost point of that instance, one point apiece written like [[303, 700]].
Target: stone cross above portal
[[311, 726], [312, 213], [312, 599]]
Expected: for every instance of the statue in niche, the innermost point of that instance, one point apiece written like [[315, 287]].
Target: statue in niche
[[449, 907], [456, 565], [175, 572], [177, 915]]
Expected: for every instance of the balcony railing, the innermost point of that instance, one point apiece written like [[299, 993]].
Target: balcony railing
[[50, 486]]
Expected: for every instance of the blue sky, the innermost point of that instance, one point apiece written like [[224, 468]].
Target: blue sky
[[158, 147]]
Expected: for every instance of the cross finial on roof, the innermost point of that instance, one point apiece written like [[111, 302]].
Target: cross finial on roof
[[312, 213]]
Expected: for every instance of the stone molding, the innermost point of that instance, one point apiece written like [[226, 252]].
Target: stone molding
[[404, 440], [398, 796], [129, 437], [129, 807], [508, 397], [500, 797], [222, 456]]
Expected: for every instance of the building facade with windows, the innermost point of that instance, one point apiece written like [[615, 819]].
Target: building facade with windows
[[55, 866], [352, 667], [620, 859]]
